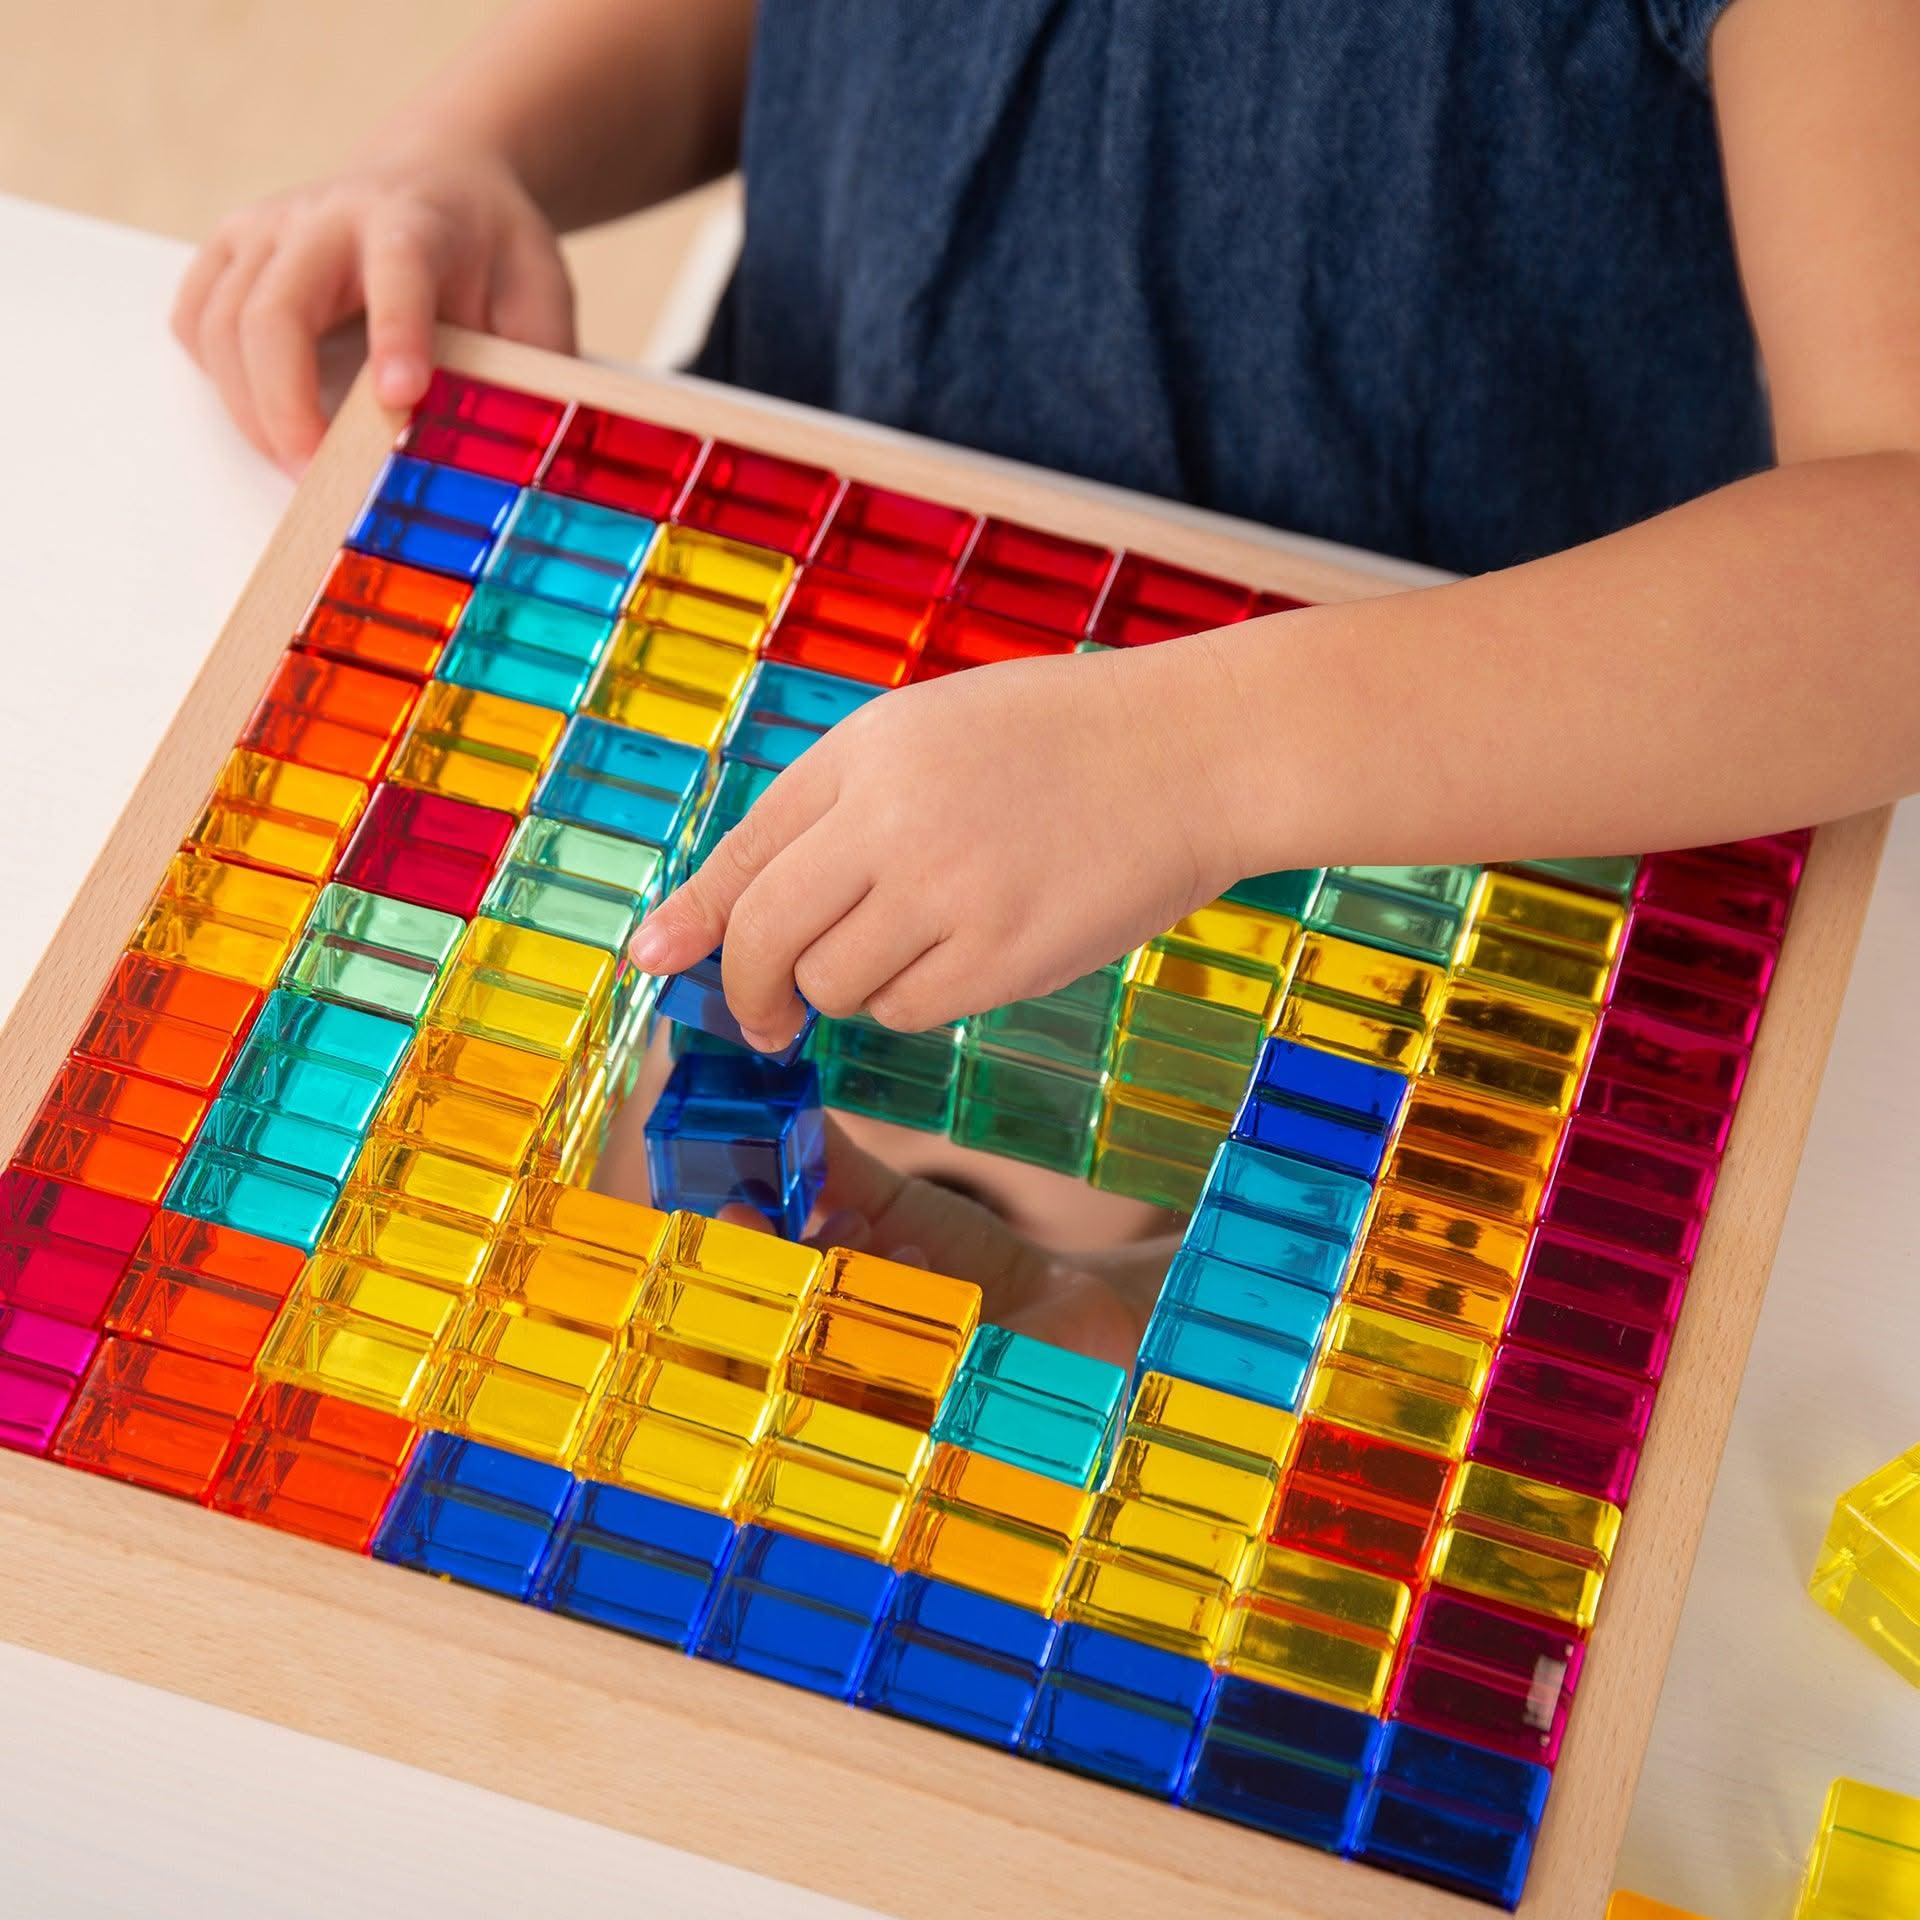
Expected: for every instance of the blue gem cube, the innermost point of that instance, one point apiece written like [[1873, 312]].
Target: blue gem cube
[[627, 1560], [1119, 1710], [1286, 1764], [959, 1661], [622, 781], [432, 516], [697, 999], [475, 1513], [797, 1611], [1445, 1811]]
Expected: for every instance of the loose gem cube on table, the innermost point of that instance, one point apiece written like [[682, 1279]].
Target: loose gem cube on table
[[1868, 1572], [1866, 1856]]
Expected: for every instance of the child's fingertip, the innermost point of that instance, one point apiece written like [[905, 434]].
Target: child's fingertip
[[649, 947], [400, 379]]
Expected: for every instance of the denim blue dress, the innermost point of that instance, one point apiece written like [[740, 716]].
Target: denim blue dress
[[1448, 278]]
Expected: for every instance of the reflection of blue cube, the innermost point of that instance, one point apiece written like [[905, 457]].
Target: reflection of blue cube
[[732, 1129], [697, 999]]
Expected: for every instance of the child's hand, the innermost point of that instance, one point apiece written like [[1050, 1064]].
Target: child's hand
[[407, 242], [965, 842]]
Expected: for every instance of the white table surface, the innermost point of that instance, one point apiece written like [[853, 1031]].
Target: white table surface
[[132, 513]]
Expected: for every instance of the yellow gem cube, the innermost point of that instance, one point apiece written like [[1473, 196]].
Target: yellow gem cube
[[1865, 1863], [476, 746], [1320, 1628], [677, 1431], [1868, 1573], [836, 1475]]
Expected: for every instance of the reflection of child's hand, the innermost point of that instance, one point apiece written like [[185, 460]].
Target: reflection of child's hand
[[966, 842], [1096, 1303]]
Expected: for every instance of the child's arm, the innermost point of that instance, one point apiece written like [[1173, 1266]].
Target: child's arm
[[1747, 662], [564, 113]]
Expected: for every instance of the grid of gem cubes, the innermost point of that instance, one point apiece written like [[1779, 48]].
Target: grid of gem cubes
[[299, 1231]]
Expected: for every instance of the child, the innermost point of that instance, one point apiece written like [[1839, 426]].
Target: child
[[1457, 281]]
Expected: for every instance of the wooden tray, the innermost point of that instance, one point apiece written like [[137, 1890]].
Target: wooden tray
[[907, 1821]]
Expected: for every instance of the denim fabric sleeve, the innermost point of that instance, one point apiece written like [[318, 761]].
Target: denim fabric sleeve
[[1684, 27]]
